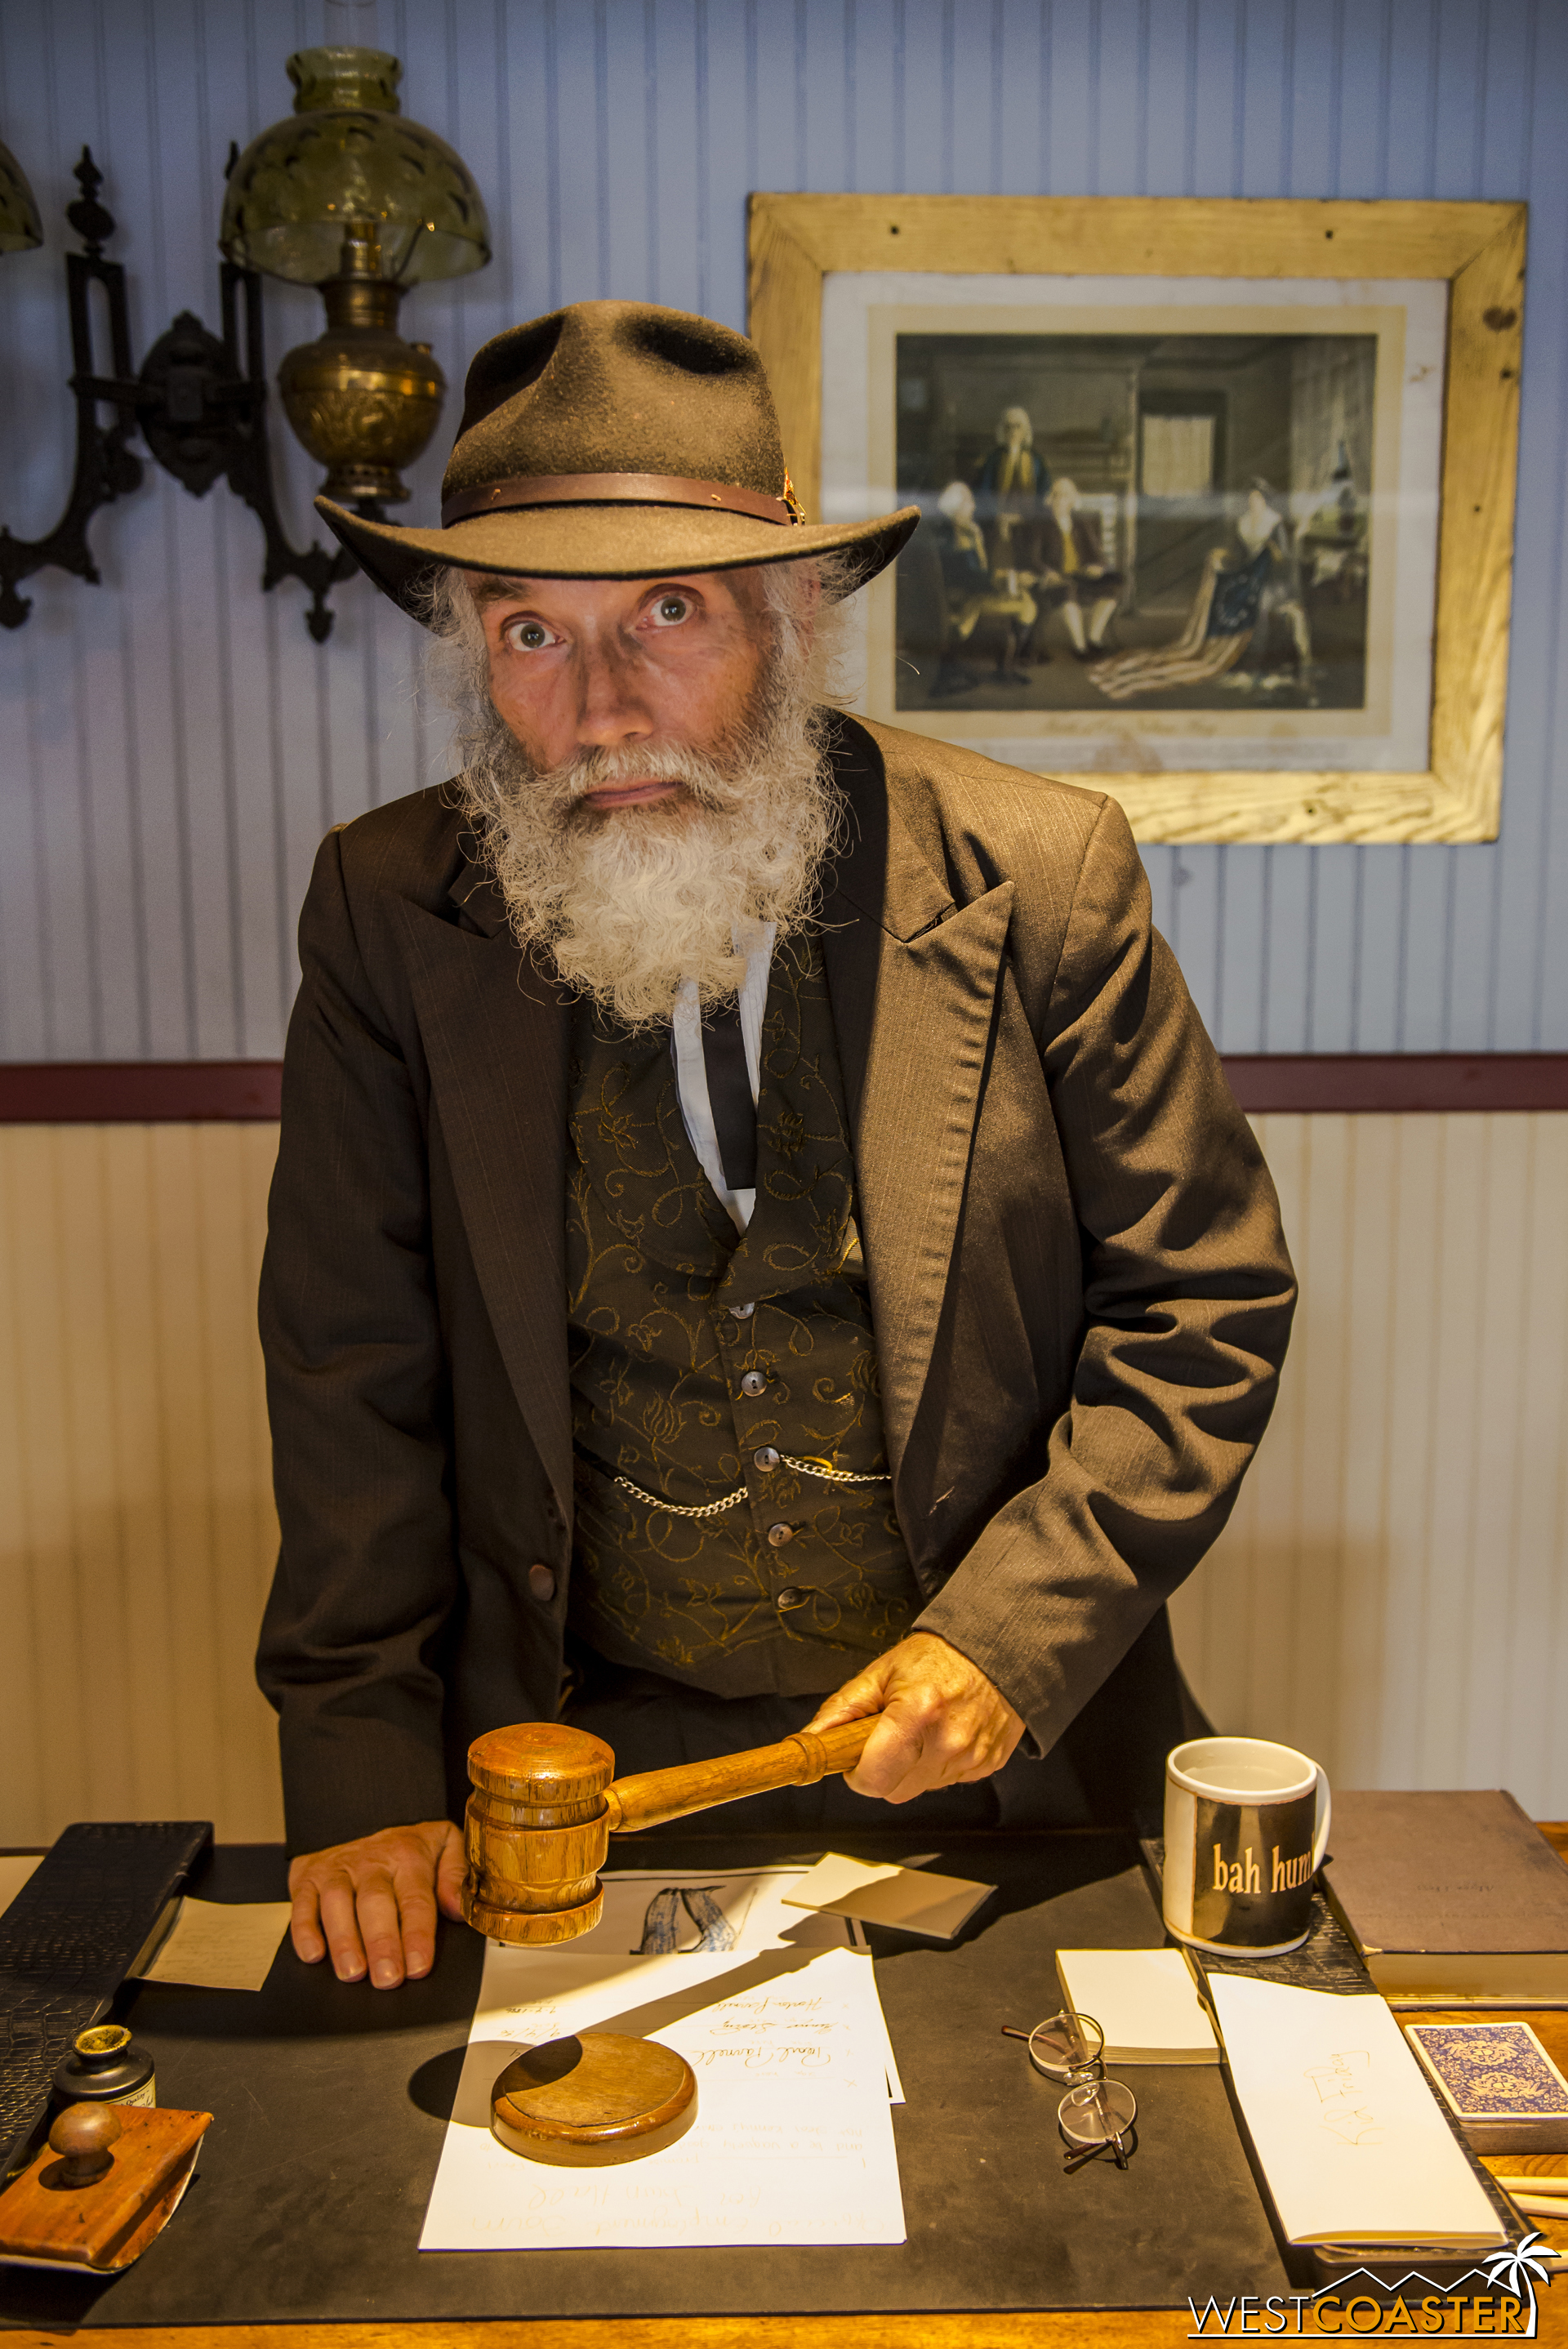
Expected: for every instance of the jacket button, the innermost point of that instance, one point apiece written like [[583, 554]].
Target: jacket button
[[743, 1312], [790, 1598], [542, 1583], [767, 1458], [753, 1383], [778, 1536]]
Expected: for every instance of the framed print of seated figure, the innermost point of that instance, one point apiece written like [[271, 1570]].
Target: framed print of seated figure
[[1232, 475], [1217, 496]]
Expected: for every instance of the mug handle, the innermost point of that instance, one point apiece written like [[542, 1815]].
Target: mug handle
[[1324, 1819]]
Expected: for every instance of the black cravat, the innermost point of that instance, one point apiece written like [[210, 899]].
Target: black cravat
[[730, 1097]]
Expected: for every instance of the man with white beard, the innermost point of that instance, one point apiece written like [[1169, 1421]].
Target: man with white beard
[[761, 1236]]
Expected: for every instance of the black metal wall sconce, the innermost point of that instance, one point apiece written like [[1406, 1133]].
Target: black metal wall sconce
[[344, 194]]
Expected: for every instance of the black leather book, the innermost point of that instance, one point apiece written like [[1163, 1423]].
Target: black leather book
[[90, 1911]]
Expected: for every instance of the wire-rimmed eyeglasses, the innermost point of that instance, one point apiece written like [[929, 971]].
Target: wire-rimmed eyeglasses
[[1096, 2115]]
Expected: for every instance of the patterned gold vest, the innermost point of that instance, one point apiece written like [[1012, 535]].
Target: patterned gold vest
[[705, 1365]]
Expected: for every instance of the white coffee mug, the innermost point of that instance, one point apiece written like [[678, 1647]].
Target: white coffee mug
[[1246, 1827]]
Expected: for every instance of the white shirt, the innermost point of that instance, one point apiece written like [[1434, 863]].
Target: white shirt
[[755, 941]]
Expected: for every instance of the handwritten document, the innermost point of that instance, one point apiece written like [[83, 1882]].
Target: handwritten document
[[220, 1944], [650, 1912], [1352, 2143], [793, 2139]]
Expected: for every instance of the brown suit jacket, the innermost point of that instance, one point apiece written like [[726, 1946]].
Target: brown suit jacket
[[1079, 1285], [1051, 546]]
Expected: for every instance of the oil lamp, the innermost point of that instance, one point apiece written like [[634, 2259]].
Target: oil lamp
[[345, 194]]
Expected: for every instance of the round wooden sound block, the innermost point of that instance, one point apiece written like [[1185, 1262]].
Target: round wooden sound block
[[583, 2102]]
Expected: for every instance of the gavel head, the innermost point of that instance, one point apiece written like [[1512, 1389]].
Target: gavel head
[[536, 1833]]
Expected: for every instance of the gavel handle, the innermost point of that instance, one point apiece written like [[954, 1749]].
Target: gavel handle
[[653, 1797]]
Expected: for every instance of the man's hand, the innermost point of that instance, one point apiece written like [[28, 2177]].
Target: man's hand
[[943, 1724], [373, 1902]]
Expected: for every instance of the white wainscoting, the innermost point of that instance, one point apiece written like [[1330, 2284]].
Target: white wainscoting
[[1392, 1592], [137, 1534]]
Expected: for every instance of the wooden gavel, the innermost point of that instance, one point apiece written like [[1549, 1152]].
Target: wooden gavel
[[539, 1821]]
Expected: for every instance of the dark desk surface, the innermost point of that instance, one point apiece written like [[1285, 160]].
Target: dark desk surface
[[330, 2103]]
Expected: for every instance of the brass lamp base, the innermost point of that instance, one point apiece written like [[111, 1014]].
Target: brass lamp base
[[362, 400]]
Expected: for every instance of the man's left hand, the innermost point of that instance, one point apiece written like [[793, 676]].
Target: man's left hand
[[943, 1724]]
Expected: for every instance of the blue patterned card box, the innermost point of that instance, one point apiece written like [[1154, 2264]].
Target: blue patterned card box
[[1491, 2071]]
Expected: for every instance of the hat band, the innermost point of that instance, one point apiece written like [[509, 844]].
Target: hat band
[[614, 489]]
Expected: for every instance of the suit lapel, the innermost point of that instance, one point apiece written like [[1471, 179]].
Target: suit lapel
[[496, 1033], [912, 982]]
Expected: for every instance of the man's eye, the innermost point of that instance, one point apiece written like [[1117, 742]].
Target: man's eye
[[526, 635], [670, 610]]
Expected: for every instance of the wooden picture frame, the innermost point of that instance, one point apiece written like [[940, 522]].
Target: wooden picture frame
[[1477, 249]]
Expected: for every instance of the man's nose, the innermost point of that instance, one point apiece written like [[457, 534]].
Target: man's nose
[[612, 708]]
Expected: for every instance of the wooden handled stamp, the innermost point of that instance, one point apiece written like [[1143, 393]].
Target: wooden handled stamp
[[538, 1822], [102, 2187]]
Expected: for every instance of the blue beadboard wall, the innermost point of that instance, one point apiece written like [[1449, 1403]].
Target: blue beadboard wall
[[172, 745]]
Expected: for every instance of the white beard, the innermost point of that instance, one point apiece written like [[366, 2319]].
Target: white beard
[[629, 903]]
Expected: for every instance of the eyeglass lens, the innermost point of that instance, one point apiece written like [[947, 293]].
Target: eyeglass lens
[[1065, 2046], [1096, 2112]]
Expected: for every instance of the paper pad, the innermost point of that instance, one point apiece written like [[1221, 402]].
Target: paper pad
[[220, 1944], [793, 2139], [1145, 2001], [1352, 2144], [912, 1899]]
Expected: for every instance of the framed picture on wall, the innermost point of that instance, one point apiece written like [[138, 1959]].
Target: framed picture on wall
[[1217, 497]]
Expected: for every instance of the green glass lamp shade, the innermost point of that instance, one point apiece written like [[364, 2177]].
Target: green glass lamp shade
[[20, 225], [347, 154]]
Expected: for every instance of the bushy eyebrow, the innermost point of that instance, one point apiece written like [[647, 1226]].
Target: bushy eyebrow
[[490, 587]]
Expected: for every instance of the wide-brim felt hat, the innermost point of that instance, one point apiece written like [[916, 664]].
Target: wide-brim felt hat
[[614, 440]]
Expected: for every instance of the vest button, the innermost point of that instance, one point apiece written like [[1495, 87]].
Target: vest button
[[542, 1583], [742, 1312], [753, 1383], [766, 1458], [788, 1599], [777, 1536]]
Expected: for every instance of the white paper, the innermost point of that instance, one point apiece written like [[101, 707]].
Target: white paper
[[1351, 2140], [706, 1911], [1144, 2001], [912, 1899], [643, 1905], [793, 2139], [220, 1944]]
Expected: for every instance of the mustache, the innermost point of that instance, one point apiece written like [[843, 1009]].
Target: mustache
[[560, 791]]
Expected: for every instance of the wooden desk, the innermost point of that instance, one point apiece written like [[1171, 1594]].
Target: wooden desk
[[1052, 2329]]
